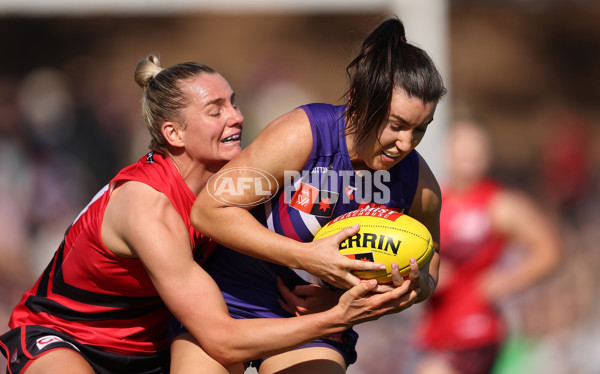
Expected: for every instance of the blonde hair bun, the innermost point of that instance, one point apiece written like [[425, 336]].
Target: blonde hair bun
[[146, 70]]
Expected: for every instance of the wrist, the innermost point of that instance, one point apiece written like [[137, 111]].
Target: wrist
[[297, 255], [426, 293], [431, 284], [336, 320]]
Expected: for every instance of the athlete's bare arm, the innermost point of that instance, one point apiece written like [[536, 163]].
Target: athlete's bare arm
[[143, 220], [519, 218], [289, 141], [426, 209]]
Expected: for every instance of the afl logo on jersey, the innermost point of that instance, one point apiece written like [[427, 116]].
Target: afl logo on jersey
[[242, 186]]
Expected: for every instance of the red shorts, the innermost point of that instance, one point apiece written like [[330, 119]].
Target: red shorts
[[478, 360], [24, 344]]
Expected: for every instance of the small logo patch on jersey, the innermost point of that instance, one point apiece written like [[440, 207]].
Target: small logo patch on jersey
[[14, 358], [350, 192], [339, 337], [310, 200], [45, 341], [150, 157]]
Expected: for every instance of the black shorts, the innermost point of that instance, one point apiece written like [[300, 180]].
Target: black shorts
[[24, 344]]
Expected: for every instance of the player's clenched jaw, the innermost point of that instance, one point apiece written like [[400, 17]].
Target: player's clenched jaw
[[213, 122]]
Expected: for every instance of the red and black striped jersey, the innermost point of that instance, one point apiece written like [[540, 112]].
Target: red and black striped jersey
[[99, 298], [458, 315]]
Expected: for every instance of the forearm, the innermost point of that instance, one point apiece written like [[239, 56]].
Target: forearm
[[195, 300], [517, 217], [248, 339], [237, 229], [222, 212], [528, 272], [242, 340], [426, 208], [203, 312]]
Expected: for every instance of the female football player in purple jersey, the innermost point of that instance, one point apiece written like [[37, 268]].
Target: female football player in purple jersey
[[336, 151]]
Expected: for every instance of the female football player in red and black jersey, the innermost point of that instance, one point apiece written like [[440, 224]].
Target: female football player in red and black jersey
[[130, 259], [463, 328]]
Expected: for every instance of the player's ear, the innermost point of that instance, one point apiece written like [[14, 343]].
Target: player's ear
[[172, 133]]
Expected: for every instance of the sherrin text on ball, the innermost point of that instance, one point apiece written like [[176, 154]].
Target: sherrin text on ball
[[385, 236]]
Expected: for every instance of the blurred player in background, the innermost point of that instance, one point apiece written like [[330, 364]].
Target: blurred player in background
[[393, 92], [463, 330], [128, 259]]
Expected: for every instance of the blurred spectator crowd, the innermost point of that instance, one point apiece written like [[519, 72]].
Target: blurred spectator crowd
[[55, 152], [65, 132]]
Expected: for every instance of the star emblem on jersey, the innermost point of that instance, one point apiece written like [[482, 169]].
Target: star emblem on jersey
[[324, 204]]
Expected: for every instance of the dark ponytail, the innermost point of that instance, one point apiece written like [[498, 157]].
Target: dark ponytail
[[386, 61]]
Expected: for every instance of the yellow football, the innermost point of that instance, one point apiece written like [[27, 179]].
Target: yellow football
[[385, 236]]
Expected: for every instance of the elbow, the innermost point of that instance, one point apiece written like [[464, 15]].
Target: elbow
[[226, 358], [195, 218], [199, 215], [553, 252], [554, 259], [224, 345], [226, 355], [549, 260]]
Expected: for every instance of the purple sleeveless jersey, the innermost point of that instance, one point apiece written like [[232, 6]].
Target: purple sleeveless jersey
[[327, 187]]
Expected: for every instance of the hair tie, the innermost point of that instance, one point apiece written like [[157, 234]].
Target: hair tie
[[156, 71]]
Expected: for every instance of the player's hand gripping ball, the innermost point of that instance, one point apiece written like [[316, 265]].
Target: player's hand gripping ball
[[385, 236]]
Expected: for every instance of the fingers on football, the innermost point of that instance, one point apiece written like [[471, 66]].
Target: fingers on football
[[363, 288], [401, 298], [345, 233], [414, 269], [397, 278], [349, 281], [355, 265]]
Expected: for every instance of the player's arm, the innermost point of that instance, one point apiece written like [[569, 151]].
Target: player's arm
[[312, 298], [519, 218], [284, 145], [145, 221], [426, 209]]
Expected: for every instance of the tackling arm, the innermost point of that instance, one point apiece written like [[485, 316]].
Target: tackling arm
[[284, 145], [143, 220]]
